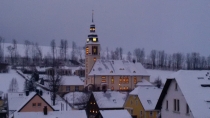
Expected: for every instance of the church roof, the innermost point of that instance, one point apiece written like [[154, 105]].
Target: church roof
[[117, 67]]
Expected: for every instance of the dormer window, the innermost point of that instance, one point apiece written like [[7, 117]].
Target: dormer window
[[134, 71], [111, 71]]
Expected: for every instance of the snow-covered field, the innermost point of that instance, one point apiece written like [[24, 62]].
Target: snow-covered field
[[6, 78], [162, 74]]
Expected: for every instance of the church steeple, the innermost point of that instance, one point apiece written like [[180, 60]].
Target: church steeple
[[92, 37]]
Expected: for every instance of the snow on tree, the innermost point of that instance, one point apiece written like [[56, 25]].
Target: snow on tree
[[13, 87]]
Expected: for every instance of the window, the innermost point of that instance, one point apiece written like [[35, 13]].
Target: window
[[187, 109], [33, 104], [176, 105], [124, 87], [136, 102], [127, 80], [94, 50], [135, 80], [103, 80], [120, 88], [94, 59], [39, 104], [150, 113], [124, 80], [112, 80], [120, 80], [166, 104], [127, 87], [131, 102], [131, 111], [176, 87], [76, 88], [94, 39], [68, 88], [141, 113]]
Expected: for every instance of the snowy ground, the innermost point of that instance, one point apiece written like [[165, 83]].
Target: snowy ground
[[163, 74], [5, 79]]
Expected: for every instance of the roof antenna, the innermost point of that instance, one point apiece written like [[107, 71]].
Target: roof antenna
[[92, 15]]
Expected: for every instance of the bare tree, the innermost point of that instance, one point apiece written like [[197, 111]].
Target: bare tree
[[129, 56], [54, 82], [53, 49], [107, 53], [153, 57], [27, 48], [13, 87], [121, 53], [38, 53], [65, 48], [73, 52], [15, 50], [62, 49], [11, 52], [1, 50], [139, 55], [158, 82]]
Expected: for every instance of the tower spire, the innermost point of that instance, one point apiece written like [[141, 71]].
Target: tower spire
[[92, 15]]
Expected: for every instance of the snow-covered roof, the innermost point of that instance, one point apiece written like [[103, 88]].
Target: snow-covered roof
[[196, 96], [148, 95], [76, 97], [52, 114], [72, 80], [110, 99], [117, 67], [115, 114], [18, 99], [162, 74], [6, 78], [144, 82]]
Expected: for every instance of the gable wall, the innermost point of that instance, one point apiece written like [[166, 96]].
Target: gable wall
[[30, 108], [170, 96]]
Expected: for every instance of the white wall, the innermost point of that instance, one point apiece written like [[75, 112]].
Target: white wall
[[170, 96]]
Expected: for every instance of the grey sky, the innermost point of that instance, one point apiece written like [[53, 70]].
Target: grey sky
[[170, 25]]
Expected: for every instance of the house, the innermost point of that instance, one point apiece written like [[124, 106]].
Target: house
[[35, 106], [26, 102], [113, 114], [142, 100], [34, 102], [71, 84], [103, 74], [3, 111], [109, 100], [80, 71], [4, 67], [63, 70], [185, 95]]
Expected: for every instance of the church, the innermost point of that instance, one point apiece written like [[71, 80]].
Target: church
[[101, 74]]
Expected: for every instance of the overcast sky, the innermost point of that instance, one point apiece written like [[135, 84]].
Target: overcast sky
[[170, 25]]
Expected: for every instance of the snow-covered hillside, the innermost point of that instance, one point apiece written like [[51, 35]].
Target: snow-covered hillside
[[162, 74]]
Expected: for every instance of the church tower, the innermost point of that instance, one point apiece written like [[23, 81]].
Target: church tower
[[92, 49]]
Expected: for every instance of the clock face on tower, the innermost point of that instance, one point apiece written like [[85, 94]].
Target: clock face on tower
[[94, 50]]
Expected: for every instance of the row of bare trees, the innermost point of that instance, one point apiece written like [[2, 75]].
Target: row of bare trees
[[33, 53], [159, 59]]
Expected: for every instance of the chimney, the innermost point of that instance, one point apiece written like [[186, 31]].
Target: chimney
[[37, 91], [27, 92], [45, 110], [134, 61], [40, 92]]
